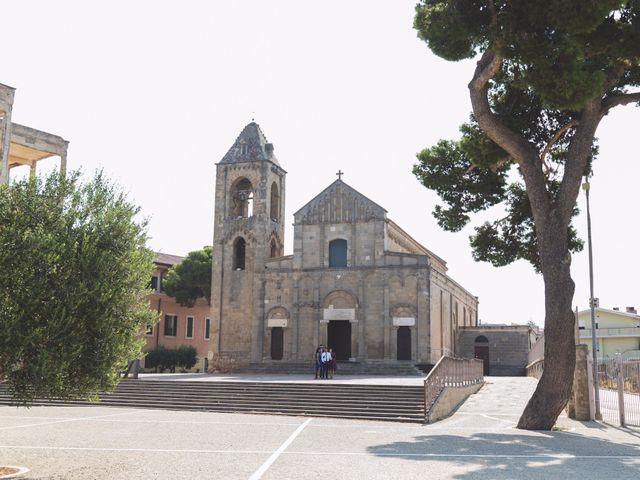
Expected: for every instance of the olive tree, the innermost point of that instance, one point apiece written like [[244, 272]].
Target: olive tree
[[74, 273]]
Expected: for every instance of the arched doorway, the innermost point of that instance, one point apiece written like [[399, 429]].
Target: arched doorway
[[277, 343], [404, 343], [339, 338], [481, 351]]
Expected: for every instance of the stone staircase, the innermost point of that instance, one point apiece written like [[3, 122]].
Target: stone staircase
[[400, 403], [404, 369]]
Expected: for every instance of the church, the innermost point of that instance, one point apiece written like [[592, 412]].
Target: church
[[356, 281]]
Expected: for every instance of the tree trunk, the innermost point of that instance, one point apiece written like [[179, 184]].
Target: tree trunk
[[554, 388]]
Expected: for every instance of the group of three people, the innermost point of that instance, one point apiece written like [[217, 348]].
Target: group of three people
[[325, 362]]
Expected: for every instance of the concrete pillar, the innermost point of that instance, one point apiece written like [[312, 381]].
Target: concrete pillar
[[63, 164], [32, 169], [6, 106], [578, 407]]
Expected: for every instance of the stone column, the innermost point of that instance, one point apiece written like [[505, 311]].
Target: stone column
[[578, 407], [387, 321]]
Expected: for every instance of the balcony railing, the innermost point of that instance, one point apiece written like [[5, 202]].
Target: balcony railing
[[611, 332]]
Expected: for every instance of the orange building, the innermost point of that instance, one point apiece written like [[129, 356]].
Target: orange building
[[178, 325]]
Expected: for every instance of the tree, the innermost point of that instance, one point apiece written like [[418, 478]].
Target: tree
[[74, 274], [548, 73], [191, 278]]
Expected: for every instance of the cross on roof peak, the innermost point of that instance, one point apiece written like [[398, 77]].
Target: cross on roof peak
[[339, 174]]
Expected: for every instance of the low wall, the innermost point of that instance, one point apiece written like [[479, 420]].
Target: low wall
[[535, 369], [450, 399]]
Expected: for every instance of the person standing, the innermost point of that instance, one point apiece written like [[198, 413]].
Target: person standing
[[318, 361], [326, 361], [333, 363]]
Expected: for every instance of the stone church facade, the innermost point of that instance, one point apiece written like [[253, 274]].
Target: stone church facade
[[356, 281]]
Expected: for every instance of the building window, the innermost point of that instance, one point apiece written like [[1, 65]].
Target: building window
[[170, 325], [239, 252], [275, 203], [189, 333], [338, 253], [148, 331], [207, 328], [154, 283], [242, 199]]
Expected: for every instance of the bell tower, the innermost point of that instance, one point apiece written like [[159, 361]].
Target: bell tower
[[248, 230]]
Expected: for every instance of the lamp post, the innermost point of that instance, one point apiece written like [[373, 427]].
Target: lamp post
[[594, 340]]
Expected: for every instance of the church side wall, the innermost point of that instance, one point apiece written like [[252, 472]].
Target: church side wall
[[452, 307]]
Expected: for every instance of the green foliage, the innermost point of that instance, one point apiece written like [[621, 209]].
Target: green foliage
[[191, 278], [164, 358], [557, 55], [563, 50], [73, 285]]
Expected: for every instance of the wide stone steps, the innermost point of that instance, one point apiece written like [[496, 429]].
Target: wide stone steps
[[343, 368], [323, 399]]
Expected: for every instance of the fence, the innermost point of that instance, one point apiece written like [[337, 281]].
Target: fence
[[619, 388], [450, 372]]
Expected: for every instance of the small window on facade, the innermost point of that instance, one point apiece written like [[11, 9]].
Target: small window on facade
[[207, 328], [189, 327], [338, 253], [275, 203], [154, 283], [239, 252], [170, 325], [149, 329]]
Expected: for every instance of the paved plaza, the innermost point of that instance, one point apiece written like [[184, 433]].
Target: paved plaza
[[478, 442]]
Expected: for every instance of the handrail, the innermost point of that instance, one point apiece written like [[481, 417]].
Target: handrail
[[450, 372]]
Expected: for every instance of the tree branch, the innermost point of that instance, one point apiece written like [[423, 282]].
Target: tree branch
[[554, 139], [577, 157], [615, 100], [514, 144]]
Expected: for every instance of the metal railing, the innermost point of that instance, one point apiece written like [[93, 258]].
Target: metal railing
[[450, 372], [611, 332], [619, 388]]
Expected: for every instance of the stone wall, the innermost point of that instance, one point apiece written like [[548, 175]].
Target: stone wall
[[508, 347]]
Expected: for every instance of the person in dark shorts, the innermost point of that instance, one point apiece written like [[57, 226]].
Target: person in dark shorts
[[318, 361]]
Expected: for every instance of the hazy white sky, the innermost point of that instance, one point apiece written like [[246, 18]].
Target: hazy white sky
[[155, 92]]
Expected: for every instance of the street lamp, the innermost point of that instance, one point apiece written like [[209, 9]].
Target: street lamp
[[594, 341]]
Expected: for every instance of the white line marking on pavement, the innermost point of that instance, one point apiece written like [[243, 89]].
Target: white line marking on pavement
[[137, 450], [498, 419], [66, 420], [274, 456], [352, 454]]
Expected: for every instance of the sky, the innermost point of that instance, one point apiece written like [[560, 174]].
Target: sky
[[155, 93]]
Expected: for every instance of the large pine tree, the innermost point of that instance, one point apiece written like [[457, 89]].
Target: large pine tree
[[548, 73]]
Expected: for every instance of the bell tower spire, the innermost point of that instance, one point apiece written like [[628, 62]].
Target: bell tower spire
[[248, 230]]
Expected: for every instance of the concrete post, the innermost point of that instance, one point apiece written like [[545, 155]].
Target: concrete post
[[592, 386], [620, 390], [579, 406]]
